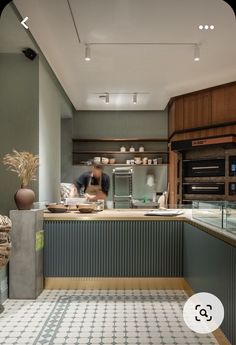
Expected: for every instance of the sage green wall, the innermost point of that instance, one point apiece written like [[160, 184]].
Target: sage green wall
[[19, 118], [98, 124], [53, 103], [32, 102]]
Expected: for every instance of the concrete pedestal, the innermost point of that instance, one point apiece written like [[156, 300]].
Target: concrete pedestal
[[26, 261]]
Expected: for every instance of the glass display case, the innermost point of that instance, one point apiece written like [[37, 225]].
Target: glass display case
[[221, 214], [230, 216]]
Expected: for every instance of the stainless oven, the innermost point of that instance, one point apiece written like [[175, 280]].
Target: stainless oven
[[204, 188], [204, 168]]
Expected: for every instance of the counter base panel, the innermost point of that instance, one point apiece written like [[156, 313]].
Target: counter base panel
[[74, 283], [113, 249]]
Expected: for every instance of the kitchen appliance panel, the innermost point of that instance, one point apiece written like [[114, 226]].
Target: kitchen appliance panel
[[204, 188], [204, 168]]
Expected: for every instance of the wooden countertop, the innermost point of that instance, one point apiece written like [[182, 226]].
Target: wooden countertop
[[113, 214], [139, 215]]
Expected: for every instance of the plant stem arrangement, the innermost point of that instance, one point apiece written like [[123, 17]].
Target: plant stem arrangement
[[25, 165]]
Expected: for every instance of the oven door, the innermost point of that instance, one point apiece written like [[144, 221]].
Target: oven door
[[207, 168], [203, 188]]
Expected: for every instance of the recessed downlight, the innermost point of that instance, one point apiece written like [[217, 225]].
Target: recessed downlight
[[206, 27], [201, 27], [212, 27]]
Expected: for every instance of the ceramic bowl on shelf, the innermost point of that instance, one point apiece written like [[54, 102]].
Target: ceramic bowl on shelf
[[137, 160], [145, 160], [105, 160], [112, 160], [97, 160]]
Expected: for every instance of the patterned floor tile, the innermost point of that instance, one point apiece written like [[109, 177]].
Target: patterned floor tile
[[104, 317]]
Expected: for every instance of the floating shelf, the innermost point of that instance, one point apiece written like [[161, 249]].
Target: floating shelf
[[85, 149], [121, 139], [119, 152], [127, 165]]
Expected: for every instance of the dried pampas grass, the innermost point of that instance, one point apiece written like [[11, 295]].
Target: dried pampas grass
[[25, 164]]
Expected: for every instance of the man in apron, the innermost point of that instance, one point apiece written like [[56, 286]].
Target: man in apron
[[94, 184]]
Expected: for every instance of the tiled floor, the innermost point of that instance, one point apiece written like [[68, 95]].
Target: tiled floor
[[99, 317]]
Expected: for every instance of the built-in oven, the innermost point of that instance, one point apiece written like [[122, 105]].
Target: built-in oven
[[204, 168], [204, 188]]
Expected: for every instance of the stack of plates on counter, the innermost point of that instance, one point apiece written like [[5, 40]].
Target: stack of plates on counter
[[167, 212]]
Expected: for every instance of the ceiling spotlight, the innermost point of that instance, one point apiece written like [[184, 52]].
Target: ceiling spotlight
[[212, 27], [200, 27], [206, 27], [87, 53], [196, 52], [135, 98], [107, 98]]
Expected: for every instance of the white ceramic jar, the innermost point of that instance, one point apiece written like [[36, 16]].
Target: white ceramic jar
[[141, 149]]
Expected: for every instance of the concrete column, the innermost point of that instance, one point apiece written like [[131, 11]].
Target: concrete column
[[26, 261]]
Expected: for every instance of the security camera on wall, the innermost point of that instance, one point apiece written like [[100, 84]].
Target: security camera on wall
[[29, 53]]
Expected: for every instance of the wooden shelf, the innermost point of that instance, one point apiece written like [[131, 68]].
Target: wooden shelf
[[121, 139], [103, 147], [126, 165], [119, 152]]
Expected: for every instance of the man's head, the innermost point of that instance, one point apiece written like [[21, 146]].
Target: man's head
[[97, 170]]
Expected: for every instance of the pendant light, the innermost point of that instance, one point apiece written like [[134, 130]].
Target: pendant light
[[87, 53], [196, 52]]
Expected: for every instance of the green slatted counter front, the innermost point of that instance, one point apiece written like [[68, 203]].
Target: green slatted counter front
[[113, 248]]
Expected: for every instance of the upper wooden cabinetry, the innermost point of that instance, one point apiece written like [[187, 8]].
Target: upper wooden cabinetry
[[224, 104], [176, 118], [204, 108], [197, 110]]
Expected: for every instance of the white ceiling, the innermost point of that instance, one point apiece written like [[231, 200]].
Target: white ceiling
[[159, 71]]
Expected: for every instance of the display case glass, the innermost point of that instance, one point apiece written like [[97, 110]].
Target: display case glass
[[221, 214], [209, 212], [230, 216]]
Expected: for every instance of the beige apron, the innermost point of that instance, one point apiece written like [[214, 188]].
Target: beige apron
[[93, 189]]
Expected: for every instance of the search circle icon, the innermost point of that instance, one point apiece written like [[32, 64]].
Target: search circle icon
[[203, 312]]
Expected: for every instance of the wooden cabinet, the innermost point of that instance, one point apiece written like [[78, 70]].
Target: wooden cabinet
[[171, 118], [172, 177], [206, 108], [176, 116], [224, 104], [200, 114], [197, 110]]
